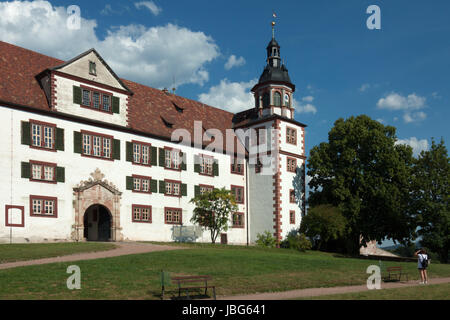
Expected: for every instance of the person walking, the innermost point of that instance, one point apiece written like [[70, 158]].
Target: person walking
[[422, 264]]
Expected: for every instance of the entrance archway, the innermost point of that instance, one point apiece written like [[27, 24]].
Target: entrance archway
[[97, 223]]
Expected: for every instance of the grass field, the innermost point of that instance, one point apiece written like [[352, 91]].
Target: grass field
[[422, 292], [31, 251], [235, 270]]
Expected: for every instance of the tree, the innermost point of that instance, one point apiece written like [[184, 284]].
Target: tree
[[431, 195], [322, 224], [362, 171], [213, 209]]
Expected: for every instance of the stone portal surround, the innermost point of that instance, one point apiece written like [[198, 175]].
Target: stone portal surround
[[96, 191]]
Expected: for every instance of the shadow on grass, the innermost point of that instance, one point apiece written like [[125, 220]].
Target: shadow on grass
[[174, 295]]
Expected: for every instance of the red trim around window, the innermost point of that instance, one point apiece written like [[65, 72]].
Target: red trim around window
[[287, 164], [142, 178], [173, 209], [43, 124], [171, 162], [22, 208], [243, 194], [141, 207], [90, 133], [290, 196], [243, 220], [288, 137], [212, 168], [234, 166], [292, 217], [55, 206], [91, 99], [171, 194], [149, 145], [46, 164]]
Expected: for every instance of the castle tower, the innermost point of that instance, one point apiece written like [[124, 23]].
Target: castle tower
[[276, 173]]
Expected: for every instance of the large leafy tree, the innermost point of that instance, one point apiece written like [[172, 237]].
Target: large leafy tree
[[322, 224], [363, 172], [431, 193], [212, 211]]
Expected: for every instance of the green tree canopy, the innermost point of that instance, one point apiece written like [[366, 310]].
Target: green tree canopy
[[431, 195], [212, 211], [322, 224], [362, 171]]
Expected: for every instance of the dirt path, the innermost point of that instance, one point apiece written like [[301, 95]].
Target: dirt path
[[123, 248], [304, 293]]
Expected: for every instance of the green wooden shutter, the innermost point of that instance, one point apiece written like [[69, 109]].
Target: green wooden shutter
[[59, 145], [26, 133], [116, 149], [162, 186], [154, 186], [60, 174], [196, 163], [129, 151], [196, 191], [77, 144], [76, 95], [184, 189], [162, 157], [183, 163], [216, 167], [115, 105], [26, 171], [154, 160], [129, 183]]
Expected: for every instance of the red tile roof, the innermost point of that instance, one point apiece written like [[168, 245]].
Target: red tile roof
[[149, 109]]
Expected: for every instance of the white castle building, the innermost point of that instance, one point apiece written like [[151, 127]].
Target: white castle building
[[88, 156]]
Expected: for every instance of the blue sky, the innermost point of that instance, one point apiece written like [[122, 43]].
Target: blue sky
[[214, 51], [398, 75]]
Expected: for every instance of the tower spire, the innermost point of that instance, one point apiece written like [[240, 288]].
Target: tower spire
[[274, 15]]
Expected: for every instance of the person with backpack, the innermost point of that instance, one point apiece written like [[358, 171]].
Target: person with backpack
[[423, 263]]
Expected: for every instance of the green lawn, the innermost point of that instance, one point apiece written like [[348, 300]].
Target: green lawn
[[235, 270], [422, 292], [31, 251]]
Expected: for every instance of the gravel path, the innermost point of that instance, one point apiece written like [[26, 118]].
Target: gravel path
[[305, 293], [123, 248]]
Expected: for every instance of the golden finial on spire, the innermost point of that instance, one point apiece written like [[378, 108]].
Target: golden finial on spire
[[274, 15]]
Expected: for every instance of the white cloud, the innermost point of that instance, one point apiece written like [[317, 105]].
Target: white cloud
[[395, 101], [146, 55], [308, 107], [409, 117], [416, 145], [150, 5], [231, 96], [409, 105], [234, 62], [364, 87]]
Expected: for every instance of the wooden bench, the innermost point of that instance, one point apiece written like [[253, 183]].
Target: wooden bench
[[395, 273], [186, 283]]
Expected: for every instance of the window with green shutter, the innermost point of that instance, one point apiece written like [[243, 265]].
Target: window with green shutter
[[184, 189], [129, 183], [26, 133], [60, 174], [162, 186], [129, 151], [25, 170], [154, 186], [116, 149], [76, 95], [162, 157], [216, 168], [77, 143], [154, 158], [115, 105], [183, 161], [59, 143], [196, 191], [197, 163]]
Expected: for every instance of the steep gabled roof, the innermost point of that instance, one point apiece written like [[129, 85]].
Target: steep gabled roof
[[149, 109]]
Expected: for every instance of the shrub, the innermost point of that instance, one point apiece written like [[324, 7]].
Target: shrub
[[296, 241], [266, 240]]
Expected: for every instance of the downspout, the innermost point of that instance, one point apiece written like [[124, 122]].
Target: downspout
[[246, 199]]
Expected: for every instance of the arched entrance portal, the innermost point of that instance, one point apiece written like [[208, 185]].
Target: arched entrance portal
[[97, 223]]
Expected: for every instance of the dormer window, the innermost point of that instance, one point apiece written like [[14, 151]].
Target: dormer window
[[92, 68]]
